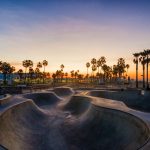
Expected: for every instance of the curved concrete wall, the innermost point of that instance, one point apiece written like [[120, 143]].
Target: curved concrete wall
[[132, 99], [43, 98], [26, 127], [64, 91]]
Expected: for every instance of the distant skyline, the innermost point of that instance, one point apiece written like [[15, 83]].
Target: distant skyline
[[72, 32]]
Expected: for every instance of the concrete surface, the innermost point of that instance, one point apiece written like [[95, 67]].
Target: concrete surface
[[69, 121]]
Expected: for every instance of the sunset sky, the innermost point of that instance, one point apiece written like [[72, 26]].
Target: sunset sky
[[71, 32]]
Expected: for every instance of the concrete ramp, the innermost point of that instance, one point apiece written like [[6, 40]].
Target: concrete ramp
[[63, 91], [108, 129], [43, 98], [24, 126], [78, 105], [133, 99]]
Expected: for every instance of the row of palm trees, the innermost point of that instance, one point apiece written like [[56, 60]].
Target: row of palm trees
[[100, 66], [103, 70], [95, 64], [59, 75], [28, 64], [143, 58]]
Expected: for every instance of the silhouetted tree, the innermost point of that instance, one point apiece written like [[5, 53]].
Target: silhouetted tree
[[87, 65], [62, 67], [135, 60], [142, 59], [20, 73], [66, 75], [127, 66], [121, 66], [147, 53], [45, 63], [27, 64]]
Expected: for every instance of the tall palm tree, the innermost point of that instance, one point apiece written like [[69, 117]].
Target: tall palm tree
[[135, 60], [87, 65], [121, 66], [94, 68], [26, 64], [115, 71], [105, 69], [147, 53], [62, 67], [93, 61], [98, 65], [142, 59], [102, 61], [45, 63], [72, 74], [66, 75], [127, 66]]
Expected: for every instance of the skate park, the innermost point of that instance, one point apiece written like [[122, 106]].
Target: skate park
[[74, 119]]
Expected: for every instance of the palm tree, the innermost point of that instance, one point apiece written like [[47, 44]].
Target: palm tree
[[54, 78], [135, 60], [37, 73], [76, 74], [58, 75], [39, 65], [26, 64], [87, 65], [127, 66], [102, 61], [143, 62], [72, 74], [98, 64], [94, 68], [31, 73], [45, 63], [20, 73], [66, 75], [62, 67], [115, 71], [147, 53], [121, 66], [93, 61]]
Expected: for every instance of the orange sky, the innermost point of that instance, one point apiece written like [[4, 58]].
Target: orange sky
[[57, 32]]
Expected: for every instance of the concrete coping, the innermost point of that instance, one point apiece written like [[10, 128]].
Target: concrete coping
[[4, 99]]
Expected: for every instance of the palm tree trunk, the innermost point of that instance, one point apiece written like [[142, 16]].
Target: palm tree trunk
[[25, 75], [147, 74], [143, 75], [137, 74], [44, 74]]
